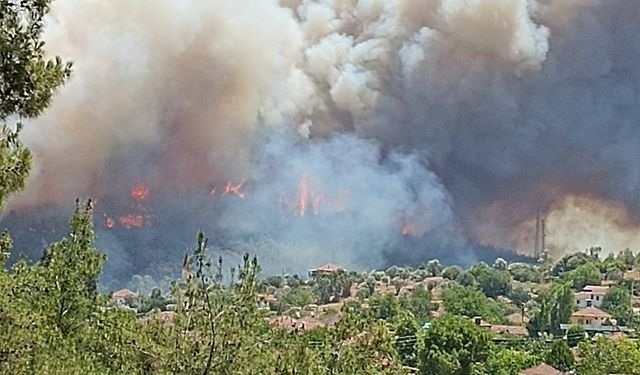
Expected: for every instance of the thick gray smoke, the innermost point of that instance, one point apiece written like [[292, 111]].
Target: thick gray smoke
[[448, 120]]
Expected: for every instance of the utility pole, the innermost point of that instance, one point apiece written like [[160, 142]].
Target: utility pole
[[543, 235], [536, 241], [539, 241]]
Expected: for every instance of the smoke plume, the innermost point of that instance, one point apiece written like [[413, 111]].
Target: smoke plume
[[341, 130]]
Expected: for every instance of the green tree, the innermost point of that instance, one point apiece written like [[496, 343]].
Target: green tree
[[407, 331], [466, 279], [525, 272], [575, 335], [27, 82], [384, 307], [586, 274], [454, 346], [560, 356], [451, 272], [470, 302], [510, 362], [300, 296], [605, 356], [493, 282], [553, 308], [627, 258], [433, 268], [419, 304], [617, 302]]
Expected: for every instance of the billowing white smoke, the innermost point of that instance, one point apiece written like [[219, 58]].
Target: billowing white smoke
[[512, 104]]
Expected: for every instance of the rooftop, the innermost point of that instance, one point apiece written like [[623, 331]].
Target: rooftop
[[543, 369], [591, 312], [583, 295], [596, 289], [329, 267], [123, 293]]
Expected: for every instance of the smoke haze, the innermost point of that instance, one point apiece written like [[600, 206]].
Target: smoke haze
[[340, 130]]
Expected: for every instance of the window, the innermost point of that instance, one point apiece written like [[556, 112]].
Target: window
[[580, 321], [577, 302], [597, 298]]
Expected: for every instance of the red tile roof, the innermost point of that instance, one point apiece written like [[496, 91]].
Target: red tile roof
[[592, 312], [543, 369], [329, 267], [123, 293], [509, 330]]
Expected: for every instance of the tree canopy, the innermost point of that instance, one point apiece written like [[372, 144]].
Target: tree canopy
[[28, 80]]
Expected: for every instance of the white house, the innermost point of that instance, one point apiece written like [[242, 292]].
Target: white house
[[591, 296]]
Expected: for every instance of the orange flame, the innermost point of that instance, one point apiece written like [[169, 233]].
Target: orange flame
[[132, 221], [303, 196], [410, 230], [234, 189], [139, 192]]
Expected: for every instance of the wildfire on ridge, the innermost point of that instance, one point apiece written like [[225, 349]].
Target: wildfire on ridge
[[137, 217], [307, 201], [410, 230], [132, 221], [139, 192], [231, 188]]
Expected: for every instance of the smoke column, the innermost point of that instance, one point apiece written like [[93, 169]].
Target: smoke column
[[349, 125]]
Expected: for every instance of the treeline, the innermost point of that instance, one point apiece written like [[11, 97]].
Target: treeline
[[54, 321]]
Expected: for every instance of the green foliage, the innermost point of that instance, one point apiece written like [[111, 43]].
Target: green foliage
[[560, 356], [606, 356], [586, 274], [510, 362], [384, 307], [15, 163], [300, 296], [466, 279], [525, 273], [6, 246], [419, 304], [627, 258], [553, 308], [454, 346], [575, 335], [617, 302], [407, 331], [570, 262], [332, 287], [27, 79], [519, 296], [433, 268], [471, 302], [27, 82], [451, 272], [492, 282]]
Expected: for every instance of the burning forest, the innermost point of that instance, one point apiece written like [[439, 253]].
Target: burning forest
[[359, 132]]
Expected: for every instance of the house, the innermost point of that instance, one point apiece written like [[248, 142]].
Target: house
[[543, 369], [328, 268], [589, 316], [266, 300], [501, 329], [121, 296], [592, 319], [591, 296]]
